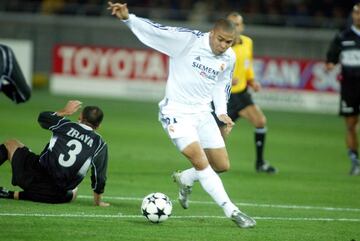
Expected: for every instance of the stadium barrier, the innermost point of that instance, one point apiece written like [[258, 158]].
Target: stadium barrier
[[140, 74]]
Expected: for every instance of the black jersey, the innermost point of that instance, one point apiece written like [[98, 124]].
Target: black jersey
[[345, 49], [72, 149]]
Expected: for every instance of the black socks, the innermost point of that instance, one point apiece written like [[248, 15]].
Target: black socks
[[259, 144]]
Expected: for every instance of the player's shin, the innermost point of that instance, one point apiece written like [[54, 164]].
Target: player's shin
[[212, 184]]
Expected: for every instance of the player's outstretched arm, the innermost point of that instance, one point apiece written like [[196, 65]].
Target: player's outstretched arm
[[119, 10], [70, 108], [168, 40]]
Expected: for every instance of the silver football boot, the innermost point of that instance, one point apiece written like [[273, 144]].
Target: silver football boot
[[242, 220], [184, 190]]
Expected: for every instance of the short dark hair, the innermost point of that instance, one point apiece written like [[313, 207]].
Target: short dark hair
[[225, 25], [92, 115]]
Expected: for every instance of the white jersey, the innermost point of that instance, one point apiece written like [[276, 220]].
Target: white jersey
[[196, 75]]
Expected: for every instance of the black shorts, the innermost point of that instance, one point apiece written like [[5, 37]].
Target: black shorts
[[237, 102], [37, 184], [350, 98]]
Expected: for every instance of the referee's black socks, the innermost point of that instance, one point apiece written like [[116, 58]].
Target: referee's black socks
[[260, 134], [3, 154]]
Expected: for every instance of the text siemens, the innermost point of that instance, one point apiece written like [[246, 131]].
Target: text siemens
[[205, 68]]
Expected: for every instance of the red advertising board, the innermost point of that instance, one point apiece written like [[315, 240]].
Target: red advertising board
[[294, 74], [109, 63], [289, 84], [150, 65]]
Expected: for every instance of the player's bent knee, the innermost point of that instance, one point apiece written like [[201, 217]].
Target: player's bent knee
[[260, 122], [223, 167], [11, 146]]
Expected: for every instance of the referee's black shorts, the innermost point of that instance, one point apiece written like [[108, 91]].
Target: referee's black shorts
[[350, 97], [237, 102], [37, 184]]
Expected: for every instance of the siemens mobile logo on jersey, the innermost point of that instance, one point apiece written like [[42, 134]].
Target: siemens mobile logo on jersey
[[350, 58], [82, 137], [206, 71]]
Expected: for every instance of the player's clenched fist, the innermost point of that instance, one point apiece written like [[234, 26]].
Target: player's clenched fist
[[228, 121], [119, 10]]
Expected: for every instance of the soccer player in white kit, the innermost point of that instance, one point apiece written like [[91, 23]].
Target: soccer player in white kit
[[200, 71]]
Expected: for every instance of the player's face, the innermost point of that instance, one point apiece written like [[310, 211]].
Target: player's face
[[356, 16], [238, 23], [220, 40]]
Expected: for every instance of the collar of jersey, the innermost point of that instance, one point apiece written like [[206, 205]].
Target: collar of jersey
[[86, 127]]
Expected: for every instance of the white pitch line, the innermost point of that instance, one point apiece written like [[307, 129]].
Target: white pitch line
[[244, 204], [120, 216]]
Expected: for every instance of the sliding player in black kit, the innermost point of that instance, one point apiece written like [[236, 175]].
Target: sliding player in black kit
[[53, 176]]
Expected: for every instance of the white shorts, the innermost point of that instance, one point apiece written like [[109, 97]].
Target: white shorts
[[184, 129]]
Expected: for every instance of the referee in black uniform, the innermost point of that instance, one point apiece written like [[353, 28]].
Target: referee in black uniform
[[345, 50], [12, 80], [53, 176]]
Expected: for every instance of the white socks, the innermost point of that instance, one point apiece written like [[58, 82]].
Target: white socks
[[189, 176], [212, 184]]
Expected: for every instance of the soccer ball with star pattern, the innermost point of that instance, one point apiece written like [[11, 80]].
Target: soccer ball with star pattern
[[156, 207]]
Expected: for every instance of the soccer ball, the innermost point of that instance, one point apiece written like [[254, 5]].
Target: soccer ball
[[156, 207]]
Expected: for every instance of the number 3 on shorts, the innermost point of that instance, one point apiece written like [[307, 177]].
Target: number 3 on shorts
[[72, 153]]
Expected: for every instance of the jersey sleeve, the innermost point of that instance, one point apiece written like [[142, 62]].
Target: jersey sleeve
[[334, 50], [168, 40], [50, 120], [222, 89], [99, 168]]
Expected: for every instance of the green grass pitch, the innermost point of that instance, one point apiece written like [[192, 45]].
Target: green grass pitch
[[312, 197]]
